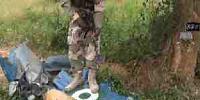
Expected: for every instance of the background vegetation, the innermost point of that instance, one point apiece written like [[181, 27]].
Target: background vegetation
[[129, 30]]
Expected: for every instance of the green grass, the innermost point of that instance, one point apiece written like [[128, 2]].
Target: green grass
[[122, 30], [45, 29], [44, 24], [127, 32]]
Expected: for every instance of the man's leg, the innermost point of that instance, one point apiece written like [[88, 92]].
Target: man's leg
[[75, 52], [91, 53], [94, 87]]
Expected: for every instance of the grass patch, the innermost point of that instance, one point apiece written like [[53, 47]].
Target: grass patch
[[44, 24], [105, 75], [45, 30]]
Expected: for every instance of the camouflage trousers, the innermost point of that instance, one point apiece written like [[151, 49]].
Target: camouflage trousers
[[83, 47]]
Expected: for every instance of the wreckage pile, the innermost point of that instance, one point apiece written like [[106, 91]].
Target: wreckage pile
[[31, 78]]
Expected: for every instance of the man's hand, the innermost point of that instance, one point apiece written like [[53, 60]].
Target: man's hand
[[75, 16], [4, 54]]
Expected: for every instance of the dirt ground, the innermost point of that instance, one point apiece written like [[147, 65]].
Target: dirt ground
[[3, 80], [139, 76]]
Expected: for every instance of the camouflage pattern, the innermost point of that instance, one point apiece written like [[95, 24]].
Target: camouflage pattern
[[83, 40]]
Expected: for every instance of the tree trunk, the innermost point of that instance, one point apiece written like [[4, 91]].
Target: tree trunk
[[184, 56]]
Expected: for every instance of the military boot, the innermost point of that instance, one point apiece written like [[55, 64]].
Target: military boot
[[94, 87], [77, 80]]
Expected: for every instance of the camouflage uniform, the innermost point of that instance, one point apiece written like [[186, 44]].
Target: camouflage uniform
[[84, 32]]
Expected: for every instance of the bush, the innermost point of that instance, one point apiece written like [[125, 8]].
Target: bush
[[125, 35]]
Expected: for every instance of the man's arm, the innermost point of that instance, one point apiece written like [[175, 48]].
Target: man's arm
[[98, 14]]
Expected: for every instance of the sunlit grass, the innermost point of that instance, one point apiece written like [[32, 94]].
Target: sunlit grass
[[14, 9], [34, 20]]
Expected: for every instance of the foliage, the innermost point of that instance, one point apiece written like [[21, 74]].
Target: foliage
[[124, 36], [161, 25], [105, 75], [136, 29]]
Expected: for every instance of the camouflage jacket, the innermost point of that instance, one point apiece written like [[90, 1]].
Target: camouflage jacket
[[97, 11]]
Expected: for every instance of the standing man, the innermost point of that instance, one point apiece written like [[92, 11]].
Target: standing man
[[83, 38]]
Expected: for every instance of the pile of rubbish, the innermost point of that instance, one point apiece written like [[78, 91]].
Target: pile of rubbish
[[31, 78]]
